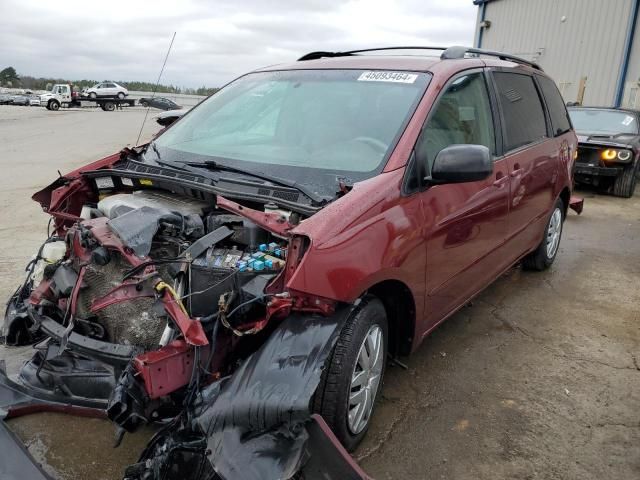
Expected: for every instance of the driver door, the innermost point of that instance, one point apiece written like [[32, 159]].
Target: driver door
[[466, 222], [65, 93]]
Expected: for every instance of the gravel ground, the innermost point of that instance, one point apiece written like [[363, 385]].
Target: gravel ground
[[538, 378]]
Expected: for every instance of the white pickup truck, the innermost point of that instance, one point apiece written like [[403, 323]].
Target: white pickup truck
[[62, 95]]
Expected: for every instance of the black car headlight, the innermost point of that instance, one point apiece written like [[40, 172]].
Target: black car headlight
[[611, 154]]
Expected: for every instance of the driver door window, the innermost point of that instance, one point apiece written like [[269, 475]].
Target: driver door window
[[462, 116]]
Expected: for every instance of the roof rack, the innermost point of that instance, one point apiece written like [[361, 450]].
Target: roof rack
[[456, 52], [317, 55], [448, 53]]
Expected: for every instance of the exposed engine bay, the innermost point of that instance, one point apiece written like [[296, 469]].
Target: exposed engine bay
[[134, 271], [144, 303]]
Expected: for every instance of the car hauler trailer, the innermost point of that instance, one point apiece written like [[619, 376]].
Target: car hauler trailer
[[62, 95]]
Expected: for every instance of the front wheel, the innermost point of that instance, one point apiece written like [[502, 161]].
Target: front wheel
[[352, 377], [54, 105], [543, 256], [625, 184], [93, 95]]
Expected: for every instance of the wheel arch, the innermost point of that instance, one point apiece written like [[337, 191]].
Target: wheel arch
[[565, 196], [400, 307]]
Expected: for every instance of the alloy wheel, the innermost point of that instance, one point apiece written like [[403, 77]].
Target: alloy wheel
[[553, 232], [365, 380]]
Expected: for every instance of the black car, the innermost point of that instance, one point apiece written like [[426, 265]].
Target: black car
[[167, 118], [608, 148], [159, 102]]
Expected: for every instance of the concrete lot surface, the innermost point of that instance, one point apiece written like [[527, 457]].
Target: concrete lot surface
[[538, 379]]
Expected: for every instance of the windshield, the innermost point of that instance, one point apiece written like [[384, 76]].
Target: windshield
[[305, 125], [603, 121]]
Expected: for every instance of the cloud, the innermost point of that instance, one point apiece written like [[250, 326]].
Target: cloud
[[215, 41]]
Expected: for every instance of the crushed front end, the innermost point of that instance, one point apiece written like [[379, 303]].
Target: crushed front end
[[157, 303]]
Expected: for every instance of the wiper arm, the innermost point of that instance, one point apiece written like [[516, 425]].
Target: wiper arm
[[155, 150], [609, 135], [213, 165]]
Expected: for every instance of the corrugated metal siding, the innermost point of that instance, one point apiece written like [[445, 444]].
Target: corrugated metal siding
[[631, 97], [588, 43]]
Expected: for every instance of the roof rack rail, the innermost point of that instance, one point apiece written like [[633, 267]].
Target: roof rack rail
[[448, 53], [457, 52], [321, 54]]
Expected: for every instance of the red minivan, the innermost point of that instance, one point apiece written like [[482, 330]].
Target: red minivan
[[249, 271]]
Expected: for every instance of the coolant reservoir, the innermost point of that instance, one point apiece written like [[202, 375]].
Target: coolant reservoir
[[54, 251], [51, 253]]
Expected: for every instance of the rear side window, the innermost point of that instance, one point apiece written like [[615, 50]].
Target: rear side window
[[557, 111], [521, 108]]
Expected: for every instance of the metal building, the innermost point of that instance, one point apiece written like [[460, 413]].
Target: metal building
[[590, 47]]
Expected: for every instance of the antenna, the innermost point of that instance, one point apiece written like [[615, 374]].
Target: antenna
[[155, 88]]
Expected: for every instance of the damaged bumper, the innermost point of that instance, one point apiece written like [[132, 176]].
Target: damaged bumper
[[254, 424], [16, 463], [150, 307]]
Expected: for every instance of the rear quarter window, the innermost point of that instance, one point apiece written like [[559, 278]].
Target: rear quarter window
[[524, 119], [560, 122]]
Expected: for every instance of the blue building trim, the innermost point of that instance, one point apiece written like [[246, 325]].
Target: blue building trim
[[626, 55], [483, 11]]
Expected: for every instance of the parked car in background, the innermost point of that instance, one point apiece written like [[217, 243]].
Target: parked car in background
[[245, 276], [608, 148], [167, 118], [20, 100], [159, 102], [5, 98], [107, 89]]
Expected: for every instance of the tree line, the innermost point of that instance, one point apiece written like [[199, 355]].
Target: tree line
[[10, 78]]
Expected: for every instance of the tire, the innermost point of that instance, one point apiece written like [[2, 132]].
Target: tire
[[625, 183], [109, 106], [544, 255], [93, 95], [332, 397], [121, 95], [144, 104], [53, 105]]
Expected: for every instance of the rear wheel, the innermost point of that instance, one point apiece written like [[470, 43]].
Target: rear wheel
[[121, 95], [352, 377], [109, 106], [625, 184], [543, 256]]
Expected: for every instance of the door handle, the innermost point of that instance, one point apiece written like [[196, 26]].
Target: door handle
[[500, 180], [516, 170]]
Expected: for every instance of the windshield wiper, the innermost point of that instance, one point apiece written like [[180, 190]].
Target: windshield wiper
[[155, 149], [216, 166], [213, 165], [609, 135]]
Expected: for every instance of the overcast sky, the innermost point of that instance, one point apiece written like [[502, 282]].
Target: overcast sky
[[216, 41]]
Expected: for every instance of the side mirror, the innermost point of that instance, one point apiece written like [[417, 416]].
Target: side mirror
[[460, 164]]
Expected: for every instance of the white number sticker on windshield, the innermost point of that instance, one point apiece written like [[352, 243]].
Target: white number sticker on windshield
[[627, 120], [397, 77]]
